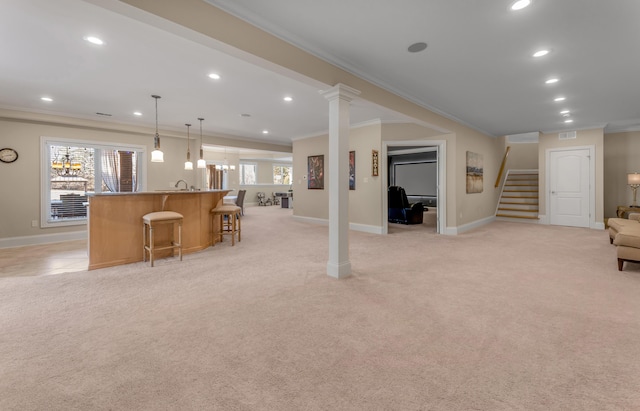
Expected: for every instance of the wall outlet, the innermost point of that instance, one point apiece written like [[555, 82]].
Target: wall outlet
[[34, 223], [366, 180], [172, 184]]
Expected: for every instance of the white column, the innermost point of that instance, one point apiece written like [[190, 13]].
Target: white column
[[339, 98]]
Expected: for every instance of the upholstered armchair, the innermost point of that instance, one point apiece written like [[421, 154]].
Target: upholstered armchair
[[400, 211]]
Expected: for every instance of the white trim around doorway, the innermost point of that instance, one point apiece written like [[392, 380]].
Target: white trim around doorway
[[441, 148]]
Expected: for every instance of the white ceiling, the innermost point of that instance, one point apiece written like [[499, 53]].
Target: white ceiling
[[44, 54], [477, 68]]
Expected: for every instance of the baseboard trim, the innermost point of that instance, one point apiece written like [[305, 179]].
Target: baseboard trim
[[365, 228], [312, 220], [595, 225], [469, 226], [11, 242]]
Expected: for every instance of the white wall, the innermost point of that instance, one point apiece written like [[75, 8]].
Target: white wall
[[594, 137], [621, 157], [20, 182]]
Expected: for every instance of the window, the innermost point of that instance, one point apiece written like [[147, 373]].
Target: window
[[282, 174], [73, 169], [216, 179], [248, 173]]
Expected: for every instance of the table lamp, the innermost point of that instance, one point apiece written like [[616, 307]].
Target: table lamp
[[633, 181]]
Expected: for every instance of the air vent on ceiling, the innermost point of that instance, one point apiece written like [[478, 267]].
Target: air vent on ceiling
[[568, 135]]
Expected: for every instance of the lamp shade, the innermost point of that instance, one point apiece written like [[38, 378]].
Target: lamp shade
[[157, 156], [633, 179]]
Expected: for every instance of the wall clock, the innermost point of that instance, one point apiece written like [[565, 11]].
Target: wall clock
[[8, 155]]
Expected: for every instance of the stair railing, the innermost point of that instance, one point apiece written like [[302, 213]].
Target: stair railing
[[504, 162]]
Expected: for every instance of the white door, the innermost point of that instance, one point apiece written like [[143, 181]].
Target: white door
[[569, 185]]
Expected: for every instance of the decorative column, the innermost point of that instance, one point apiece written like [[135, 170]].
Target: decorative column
[[339, 98]]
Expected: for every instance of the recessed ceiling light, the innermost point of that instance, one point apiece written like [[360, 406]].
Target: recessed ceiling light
[[265, 131], [137, 113], [565, 112], [568, 121], [520, 4], [47, 99], [540, 53], [94, 40], [214, 76], [288, 99], [559, 99], [245, 115], [551, 81], [417, 47]]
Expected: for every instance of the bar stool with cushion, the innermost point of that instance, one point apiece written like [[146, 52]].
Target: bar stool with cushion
[[151, 221], [229, 222]]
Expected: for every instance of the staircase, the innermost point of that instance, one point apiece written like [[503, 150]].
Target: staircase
[[519, 197]]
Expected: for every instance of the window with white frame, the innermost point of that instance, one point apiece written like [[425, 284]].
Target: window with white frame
[[282, 174], [248, 173], [73, 169]]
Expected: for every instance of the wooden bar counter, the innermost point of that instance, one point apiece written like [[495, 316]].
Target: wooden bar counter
[[115, 223]]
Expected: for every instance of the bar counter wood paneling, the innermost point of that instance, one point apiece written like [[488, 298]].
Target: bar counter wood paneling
[[115, 223]]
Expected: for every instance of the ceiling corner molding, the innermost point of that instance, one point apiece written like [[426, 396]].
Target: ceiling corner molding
[[259, 22]]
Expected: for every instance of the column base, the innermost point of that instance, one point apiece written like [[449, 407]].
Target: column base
[[341, 270]]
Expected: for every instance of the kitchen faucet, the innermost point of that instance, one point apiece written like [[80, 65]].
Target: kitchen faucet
[[186, 186]]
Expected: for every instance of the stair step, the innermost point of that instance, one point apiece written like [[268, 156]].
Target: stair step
[[533, 203], [518, 216], [519, 198]]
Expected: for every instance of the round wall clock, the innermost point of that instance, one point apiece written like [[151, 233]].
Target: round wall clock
[[8, 155]]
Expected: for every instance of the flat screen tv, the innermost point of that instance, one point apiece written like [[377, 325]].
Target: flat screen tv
[[417, 179]]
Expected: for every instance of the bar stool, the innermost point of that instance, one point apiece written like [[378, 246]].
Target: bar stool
[[230, 223], [152, 220]]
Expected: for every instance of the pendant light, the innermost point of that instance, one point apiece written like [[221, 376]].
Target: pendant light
[[188, 165], [156, 155], [201, 162]]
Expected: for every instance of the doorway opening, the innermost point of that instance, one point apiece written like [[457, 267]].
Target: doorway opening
[[418, 167]]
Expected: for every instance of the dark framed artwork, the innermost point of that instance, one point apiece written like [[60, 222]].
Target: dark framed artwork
[[315, 172], [475, 172], [374, 163], [352, 170]]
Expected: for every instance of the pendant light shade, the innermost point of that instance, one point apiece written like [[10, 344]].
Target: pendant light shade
[[156, 155], [201, 162], [188, 165]]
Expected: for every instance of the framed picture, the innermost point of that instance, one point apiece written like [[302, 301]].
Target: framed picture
[[374, 163], [315, 172], [475, 171], [352, 170]]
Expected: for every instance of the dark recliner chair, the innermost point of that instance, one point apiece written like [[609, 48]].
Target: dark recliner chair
[[400, 211]]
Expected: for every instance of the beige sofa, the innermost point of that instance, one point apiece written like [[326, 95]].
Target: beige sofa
[[616, 224], [625, 234]]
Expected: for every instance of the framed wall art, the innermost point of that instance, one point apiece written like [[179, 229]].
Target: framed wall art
[[374, 163], [315, 172], [352, 170], [475, 172]]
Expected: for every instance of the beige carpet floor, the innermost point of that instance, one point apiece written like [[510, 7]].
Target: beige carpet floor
[[506, 317]]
